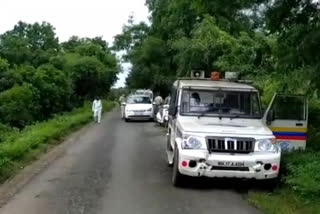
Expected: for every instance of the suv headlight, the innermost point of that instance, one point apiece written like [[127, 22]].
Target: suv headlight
[[149, 109], [194, 142], [267, 145]]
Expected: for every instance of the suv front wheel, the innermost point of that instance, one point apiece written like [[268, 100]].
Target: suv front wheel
[[177, 177]]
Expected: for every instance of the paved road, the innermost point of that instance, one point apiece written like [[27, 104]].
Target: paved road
[[119, 168]]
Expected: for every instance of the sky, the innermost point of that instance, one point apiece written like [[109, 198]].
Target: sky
[[83, 18]]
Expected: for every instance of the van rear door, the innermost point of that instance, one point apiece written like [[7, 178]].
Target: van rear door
[[287, 117]]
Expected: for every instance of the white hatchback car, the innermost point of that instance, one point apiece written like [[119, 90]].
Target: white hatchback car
[[138, 107]]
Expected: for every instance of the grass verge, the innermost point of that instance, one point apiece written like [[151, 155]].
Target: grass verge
[[27, 145], [282, 201], [299, 190]]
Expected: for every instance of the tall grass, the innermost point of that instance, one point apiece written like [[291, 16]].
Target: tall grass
[[17, 148]]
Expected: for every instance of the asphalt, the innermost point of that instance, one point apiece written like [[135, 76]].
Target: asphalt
[[121, 168]]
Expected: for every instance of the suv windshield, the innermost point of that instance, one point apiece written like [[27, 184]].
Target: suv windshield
[[139, 100], [220, 103]]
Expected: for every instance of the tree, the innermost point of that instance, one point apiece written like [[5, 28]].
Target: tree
[[7, 76], [182, 37], [91, 77], [297, 22], [29, 43]]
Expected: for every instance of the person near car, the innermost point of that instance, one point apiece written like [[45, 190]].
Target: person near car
[[167, 100], [97, 110], [122, 99], [158, 102]]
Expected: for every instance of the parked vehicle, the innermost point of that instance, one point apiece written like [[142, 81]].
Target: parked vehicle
[[217, 129], [138, 107]]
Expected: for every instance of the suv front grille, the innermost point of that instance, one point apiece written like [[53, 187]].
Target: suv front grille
[[230, 145]]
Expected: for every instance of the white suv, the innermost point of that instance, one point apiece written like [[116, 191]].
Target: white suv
[[216, 129]]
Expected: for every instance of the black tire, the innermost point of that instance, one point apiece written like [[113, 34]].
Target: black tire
[[126, 120], [177, 178], [169, 149]]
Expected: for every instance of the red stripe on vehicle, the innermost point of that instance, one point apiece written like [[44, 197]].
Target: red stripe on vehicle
[[291, 137]]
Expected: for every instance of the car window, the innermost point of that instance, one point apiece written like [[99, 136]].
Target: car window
[[220, 102], [289, 107], [139, 100]]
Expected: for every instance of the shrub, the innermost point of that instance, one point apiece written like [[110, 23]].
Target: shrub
[[18, 105], [300, 173]]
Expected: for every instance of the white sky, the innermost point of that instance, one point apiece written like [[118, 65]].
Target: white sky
[[84, 18]]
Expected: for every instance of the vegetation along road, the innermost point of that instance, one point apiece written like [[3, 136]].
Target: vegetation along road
[[119, 167]]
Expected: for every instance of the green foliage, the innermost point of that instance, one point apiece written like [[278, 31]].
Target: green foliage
[[7, 76], [56, 77], [7, 133], [202, 51], [29, 43], [300, 174], [15, 151], [55, 89], [18, 105], [282, 202], [90, 77]]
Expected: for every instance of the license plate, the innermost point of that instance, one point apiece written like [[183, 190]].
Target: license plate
[[230, 164], [138, 113]]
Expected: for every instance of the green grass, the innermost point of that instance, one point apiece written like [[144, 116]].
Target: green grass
[[27, 145], [299, 190], [282, 201]]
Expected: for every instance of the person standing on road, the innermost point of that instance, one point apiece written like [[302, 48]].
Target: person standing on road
[[167, 100], [158, 102], [122, 101], [97, 110]]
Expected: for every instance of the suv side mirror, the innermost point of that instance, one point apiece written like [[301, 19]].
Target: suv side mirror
[[173, 110], [270, 116]]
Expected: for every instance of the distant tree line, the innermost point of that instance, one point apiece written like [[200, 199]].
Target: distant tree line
[[40, 77]]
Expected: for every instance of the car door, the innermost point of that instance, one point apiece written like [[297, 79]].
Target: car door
[[287, 117], [173, 107]]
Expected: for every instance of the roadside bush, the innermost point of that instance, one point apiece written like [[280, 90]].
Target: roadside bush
[[300, 174], [18, 105], [55, 89], [4, 132]]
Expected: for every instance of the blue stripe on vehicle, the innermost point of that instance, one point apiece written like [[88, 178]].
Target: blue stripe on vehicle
[[289, 134]]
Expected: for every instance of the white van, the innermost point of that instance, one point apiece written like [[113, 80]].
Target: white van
[[217, 129]]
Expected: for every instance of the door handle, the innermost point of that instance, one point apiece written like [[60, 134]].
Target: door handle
[[299, 124]]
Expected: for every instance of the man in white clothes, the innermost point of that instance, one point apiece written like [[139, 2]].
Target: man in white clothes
[[97, 110]]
